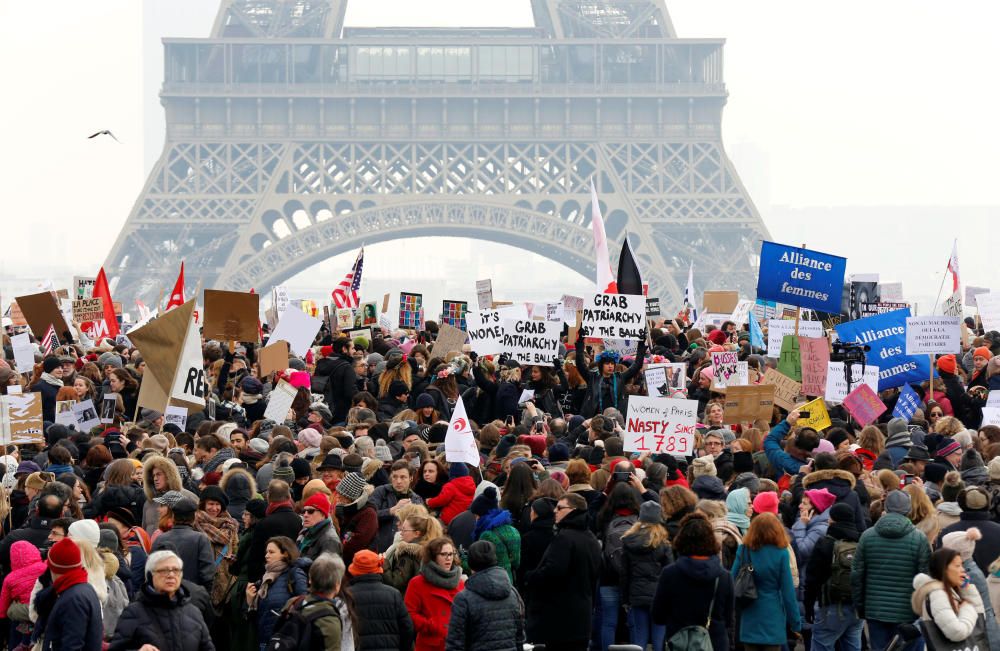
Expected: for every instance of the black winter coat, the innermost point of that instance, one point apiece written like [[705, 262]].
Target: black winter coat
[[341, 388], [130, 497], [74, 620], [487, 615], [384, 624], [641, 568], [819, 567], [561, 588], [283, 522], [384, 498], [168, 624], [195, 551], [684, 592], [49, 393], [534, 541]]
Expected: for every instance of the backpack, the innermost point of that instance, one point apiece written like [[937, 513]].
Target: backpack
[[838, 586], [694, 637], [294, 630], [613, 541]]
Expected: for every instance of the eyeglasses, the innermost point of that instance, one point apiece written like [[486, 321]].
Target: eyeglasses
[[446, 554], [309, 511], [168, 571], [936, 414], [563, 508]]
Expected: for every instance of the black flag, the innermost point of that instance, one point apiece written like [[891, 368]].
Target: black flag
[[629, 278]]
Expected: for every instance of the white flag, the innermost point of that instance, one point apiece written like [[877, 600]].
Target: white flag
[[459, 443], [605, 279], [689, 297], [956, 279]]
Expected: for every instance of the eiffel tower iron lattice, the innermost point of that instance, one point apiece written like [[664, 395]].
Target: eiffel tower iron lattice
[[291, 138]]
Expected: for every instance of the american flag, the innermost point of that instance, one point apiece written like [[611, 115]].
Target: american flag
[[49, 341], [346, 293]]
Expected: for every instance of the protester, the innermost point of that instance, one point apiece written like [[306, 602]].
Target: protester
[[384, 623], [487, 614], [430, 594], [283, 579]]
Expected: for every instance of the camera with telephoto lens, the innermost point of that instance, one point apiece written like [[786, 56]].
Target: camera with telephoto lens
[[849, 352]]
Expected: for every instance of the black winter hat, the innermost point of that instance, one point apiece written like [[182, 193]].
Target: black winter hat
[[935, 472], [215, 494], [257, 508], [50, 363], [482, 555], [486, 502], [301, 468], [841, 512], [742, 462]]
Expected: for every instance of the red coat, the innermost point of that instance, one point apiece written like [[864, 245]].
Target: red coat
[[455, 497], [430, 609]]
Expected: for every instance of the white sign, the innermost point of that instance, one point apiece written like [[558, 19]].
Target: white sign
[[989, 310], [836, 381], [64, 413], [665, 380], [993, 399], [177, 416], [554, 312], [741, 315], [86, 415], [972, 292], [953, 306], [189, 378], [526, 395], [891, 292], [571, 304], [933, 335], [281, 299], [279, 402], [485, 328], [778, 328], [459, 443], [660, 425], [615, 316], [83, 287], [24, 352], [725, 367], [484, 294], [109, 404], [530, 341], [622, 347], [297, 328], [991, 416]]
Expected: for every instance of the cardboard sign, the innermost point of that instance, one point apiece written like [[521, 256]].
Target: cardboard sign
[[298, 329], [741, 313], [231, 316], [886, 335], [836, 380], [660, 425], [171, 348], [815, 356], [790, 359], [188, 385], [83, 287], [720, 302], [279, 402], [41, 311], [786, 390], [933, 335], [345, 318], [864, 404], [176, 416], [486, 331], [749, 403], [531, 342], [778, 328], [24, 352], [615, 316], [953, 305], [484, 293], [22, 420], [88, 309], [725, 367], [906, 404], [666, 380], [652, 307], [273, 358], [16, 316], [801, 277], [86, 415], [410, 310], [449, 339], [819, 417]]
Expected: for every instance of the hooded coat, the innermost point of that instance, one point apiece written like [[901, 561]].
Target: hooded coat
[[487, 615], [132, 498], [888, 556], [685, 589], [641, 568], [240, 487], [930, 593], [26, 565], [455, 497], [150, 511], [841, 484]]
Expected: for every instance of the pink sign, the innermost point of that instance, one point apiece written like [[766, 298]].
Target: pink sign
[[815, 352], [864, 404]]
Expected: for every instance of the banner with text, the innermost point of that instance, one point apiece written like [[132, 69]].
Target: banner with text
[[801, 277], [615, 316], [933, 335], [886, 335], [530, 341], [660, 425]]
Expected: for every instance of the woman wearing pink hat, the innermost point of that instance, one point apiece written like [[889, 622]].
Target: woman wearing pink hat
[[814, 516]]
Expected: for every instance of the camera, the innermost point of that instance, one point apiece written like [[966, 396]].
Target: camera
[[620, 475], [849, 352]]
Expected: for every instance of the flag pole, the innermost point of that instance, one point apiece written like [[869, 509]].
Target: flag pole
[[937, 301]]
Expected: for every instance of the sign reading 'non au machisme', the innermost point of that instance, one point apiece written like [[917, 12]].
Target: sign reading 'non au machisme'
[[801, 277]]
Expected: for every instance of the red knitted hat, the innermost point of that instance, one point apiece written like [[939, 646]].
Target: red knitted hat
[[947, 364], [320, 502], [64, 556]]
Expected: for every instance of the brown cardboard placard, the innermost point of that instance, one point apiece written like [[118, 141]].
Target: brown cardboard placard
[[786, 390], [22, 419], [88, 309], [385, 304], [16, 316], [161, 343], [231, 316], [721, 302], [273, 358], [40, 310], [749, 403], [449, 339], [497, 304]]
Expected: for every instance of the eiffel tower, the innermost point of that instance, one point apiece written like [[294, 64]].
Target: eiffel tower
[[292, 138]]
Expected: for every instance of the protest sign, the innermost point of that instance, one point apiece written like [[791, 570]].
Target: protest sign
[[815, 355], [836, 380], [40, 311], [345, 318], [484, 293], [993, 399], [17, 316], [801, 277], [410, 308], [721, 302], [741, 313], [367, 315], [526, 395], [531, 342], [486, 327], [933, 335], [871, 309], [171, 348], [571, 305], [989, 310], [449, 339], [298, 329], [64, 413], [652, 307], [972, 292], [778, 328], [280, 298], [906, 404], [953, 305], [786, 390], [364, 333], [886, 335], [109, 404], [864, 404], [554, 312], [22, 420], [83, 287], [88, 309], [892, 292], [175, 416], [623, 347], [765, 310], [749, 403], [814, 414], [725, 366], [232, 316], [790, 359], [660, 425], [280, 401], [24, 352], [453, 313], [86, 415], [615, 316], [665, 380], [459, 443], [273, 358], [991, 416]]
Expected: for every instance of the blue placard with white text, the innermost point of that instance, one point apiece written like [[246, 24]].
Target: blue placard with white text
[[907, 403], [797, 276], [886, 334]]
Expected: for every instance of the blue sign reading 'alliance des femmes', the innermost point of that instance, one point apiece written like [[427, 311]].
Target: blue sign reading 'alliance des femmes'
[[797, 276]]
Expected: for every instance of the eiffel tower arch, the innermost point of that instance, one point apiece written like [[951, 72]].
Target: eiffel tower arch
[[291, 139]]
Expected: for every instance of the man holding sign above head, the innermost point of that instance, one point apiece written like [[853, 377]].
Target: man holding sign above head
[[605, 386], [794, 459]]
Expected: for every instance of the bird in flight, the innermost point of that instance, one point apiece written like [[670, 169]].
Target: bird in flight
[[105, 132]]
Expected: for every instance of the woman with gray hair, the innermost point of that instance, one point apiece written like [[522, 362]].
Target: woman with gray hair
[[162, 616]]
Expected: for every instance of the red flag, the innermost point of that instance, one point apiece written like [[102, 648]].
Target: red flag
[[177, 296], [103, 292]]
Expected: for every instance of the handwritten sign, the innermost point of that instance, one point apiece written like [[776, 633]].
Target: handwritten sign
[[666, 380], [484, 293], [836, 381], [933, 335], [786, 390], [88, 309], [815, 356], [530, 341], [486, 327], [615, 316], [660, 425], [725, 367], [790, 360], [953, 305], [864, 404], [749, 403], [22, 420], [818, 416], [778, 328]]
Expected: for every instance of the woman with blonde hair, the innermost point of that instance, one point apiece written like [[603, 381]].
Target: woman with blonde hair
[[403, 558], [948, 426], [872, 439], [922, 512], [400, 370]]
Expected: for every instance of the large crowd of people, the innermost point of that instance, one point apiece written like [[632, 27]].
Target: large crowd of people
[[344, 526]]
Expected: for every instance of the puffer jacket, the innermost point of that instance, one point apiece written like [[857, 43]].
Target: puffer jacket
[[150, 511], [641, 568], [889, 555], [487, 616], [841, 484], [27, 565], [455, 497], [168, 624], [383, 621], [955, 626], [129, 497]]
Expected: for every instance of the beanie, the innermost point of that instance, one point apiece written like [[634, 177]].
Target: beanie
[[64, 556], [109, 359], [766, 502], [50, 364], [365, 562], [485, 502], [973, 498], [651, 512], [320, 502], [946, 364], [963, 542], [824, 446], [301, 468], [821, 498], [284, 473], [87, 530], [457, 469], [994, 468], [971, 459], [309, 437], [946, 446], [836, 437], [352, 486], [742, 462], [543, 507], [896, 425], [703, 466], [709, 487], [935, 473], [746, 480], [983, 352], [952, 486], [898, 502], [841, 512], [482, 555], [558, 453], [215, 494], [257, 508]]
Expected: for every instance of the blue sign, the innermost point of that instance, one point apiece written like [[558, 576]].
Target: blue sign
[[886, 334], [797, 276], [756, 334], [907, 404]]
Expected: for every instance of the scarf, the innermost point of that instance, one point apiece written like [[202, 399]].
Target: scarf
[[271, 573], [274, 506], [737, 503], [222, 456], [72, 577], [221, 531], [308, 535], [51, 379], [600, 391], [438, 577], [493, 519], [59, 469]]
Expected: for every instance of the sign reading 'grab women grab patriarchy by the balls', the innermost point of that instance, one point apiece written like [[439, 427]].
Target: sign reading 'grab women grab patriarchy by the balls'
[[801, 277], [615, 316]]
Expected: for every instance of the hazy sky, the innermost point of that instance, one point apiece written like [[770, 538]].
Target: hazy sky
[[835, 112]]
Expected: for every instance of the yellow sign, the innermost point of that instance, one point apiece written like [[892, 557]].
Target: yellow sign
[[819, 417]]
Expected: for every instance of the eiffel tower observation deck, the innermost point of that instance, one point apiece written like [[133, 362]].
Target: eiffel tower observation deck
[[292, 138]]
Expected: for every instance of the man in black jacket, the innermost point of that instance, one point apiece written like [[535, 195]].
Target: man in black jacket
[[383, 621], [193, 547], [487, 613], [342, 385], [280, 520], [836, 618], [561, 588]]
